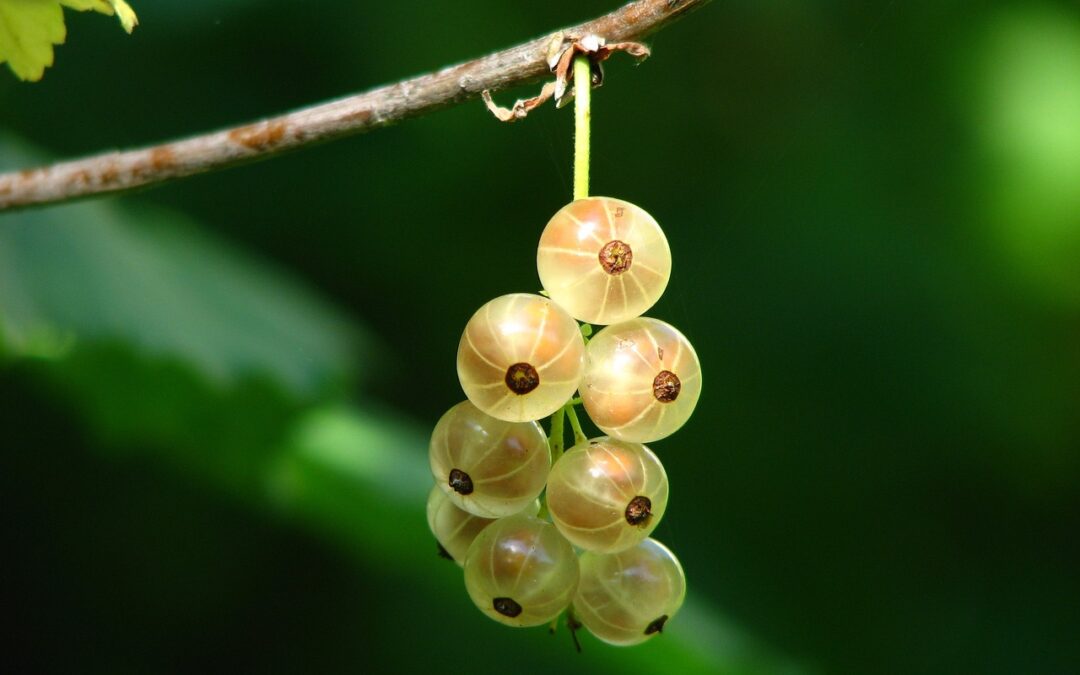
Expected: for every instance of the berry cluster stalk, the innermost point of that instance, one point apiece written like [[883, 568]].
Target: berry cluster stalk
[[582, 116], [582, 119]]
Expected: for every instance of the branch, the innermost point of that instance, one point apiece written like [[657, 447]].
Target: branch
[[120, 171]]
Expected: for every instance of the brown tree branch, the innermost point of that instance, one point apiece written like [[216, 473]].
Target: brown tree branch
[[119, 171]]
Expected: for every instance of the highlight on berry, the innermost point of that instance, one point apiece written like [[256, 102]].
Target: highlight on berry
[[607, 495], [486, 466], [628, 597], [520, 357], [521, 572], [642, 380], [604, 260]]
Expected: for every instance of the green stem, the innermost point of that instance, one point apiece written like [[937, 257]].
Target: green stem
[[582, 116], [573, 624], [571, 414], [555, 447], [555, 438]]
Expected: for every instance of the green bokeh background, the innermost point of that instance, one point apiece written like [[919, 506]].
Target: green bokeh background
[[215, 395]]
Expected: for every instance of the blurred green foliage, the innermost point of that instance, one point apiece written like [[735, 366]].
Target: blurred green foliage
[[1025, 70], [215, 396]]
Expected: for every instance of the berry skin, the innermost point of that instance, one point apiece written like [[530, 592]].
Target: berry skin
[[455, 529], [626, 598], [520, 571], [607, 495], [642, 380], [488, 467], [604, 260], [520, 358]]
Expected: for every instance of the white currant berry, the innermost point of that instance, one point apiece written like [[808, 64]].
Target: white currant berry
[[642, 380], [606, 495], [454, 528], [604, 260], [520, 571], [625, 598], [520, 357], [486, 466]]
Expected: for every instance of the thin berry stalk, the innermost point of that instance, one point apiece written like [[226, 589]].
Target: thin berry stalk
[[582, 117], [575, 424]]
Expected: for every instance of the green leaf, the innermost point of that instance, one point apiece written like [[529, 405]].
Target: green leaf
[[28, 31], [123, 11], [96, 273], [30, 28]]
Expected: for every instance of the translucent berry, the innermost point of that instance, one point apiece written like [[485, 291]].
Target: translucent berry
[[520, 571], [642, 380], [603, 260], [486, 466], [607, 495], [455, 529], [627, 597], [520, 357]]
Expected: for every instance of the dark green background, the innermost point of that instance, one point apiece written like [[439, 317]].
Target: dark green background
[[215, 395]]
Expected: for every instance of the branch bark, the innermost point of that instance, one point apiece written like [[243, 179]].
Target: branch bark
[[121, 171]]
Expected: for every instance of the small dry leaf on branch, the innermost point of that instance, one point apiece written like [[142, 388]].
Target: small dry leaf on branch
[[561, 53], [522, 106]]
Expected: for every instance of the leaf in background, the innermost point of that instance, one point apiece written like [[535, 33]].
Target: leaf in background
[[30, 28], [123, 11], [1024, 74], [93, 272]]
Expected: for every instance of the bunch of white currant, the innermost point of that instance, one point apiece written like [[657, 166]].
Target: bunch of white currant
[[521, 358]]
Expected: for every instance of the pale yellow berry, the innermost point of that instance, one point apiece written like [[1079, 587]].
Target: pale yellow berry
[[486, 466], [604, 260], [642, 380], [520, 571], [520, 357], [606, 495], [454, 528], [627, 597]]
